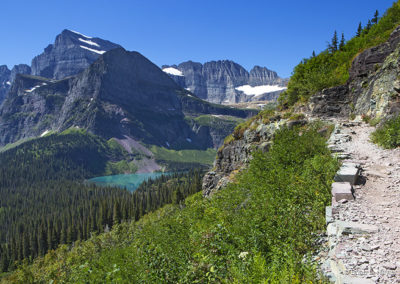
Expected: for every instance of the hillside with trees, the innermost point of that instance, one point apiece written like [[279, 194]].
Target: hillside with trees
[[331, 67]]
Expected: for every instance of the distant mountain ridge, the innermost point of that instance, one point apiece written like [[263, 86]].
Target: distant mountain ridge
[[221, 82], [71, 53], [226, 82]]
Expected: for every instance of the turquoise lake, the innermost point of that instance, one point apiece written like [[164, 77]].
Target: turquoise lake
[[129, 181]]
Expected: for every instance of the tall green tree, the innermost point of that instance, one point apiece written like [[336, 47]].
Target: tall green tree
[[333, 47], [342, 43], [375, 19], [359, 30]]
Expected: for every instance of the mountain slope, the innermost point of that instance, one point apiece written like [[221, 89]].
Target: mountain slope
[[226, 82], [122, 96]]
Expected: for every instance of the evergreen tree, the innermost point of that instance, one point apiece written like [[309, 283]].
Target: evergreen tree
[[359, 30], [313, 54], [342, 42], [333, 47], [375, 18]]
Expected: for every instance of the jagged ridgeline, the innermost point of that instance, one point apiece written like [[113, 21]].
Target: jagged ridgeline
[[331, 67], [44, 201]]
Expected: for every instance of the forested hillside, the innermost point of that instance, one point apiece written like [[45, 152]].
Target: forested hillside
[[331, 67], [45, 202]]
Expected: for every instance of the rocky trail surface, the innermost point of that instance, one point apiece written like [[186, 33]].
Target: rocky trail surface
[[364, 237]]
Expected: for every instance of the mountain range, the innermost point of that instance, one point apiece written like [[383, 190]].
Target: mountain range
[[226, 82], [87, 83], [221, 82]]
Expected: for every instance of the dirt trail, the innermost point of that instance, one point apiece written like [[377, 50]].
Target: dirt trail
[[373, 256]]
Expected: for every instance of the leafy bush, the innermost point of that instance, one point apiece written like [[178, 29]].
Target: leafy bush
[[388, 135], [258, 230]]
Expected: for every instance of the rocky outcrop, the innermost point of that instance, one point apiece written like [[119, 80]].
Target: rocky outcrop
[[4, 81], [7, 77], [373, 88], [71, 53], [221, 81], [236, 155], [122, 94]]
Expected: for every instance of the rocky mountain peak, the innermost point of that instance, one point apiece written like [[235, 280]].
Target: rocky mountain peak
[[71, 53], [262, 76], [226, 82]]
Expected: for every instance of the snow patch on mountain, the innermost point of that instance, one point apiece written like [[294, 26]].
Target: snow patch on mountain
[[78, 33], [93, 50], [259, 90], [44, 133], [88, 42], [173, 71]]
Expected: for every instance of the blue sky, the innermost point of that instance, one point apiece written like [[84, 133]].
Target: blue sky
[[275, 34]]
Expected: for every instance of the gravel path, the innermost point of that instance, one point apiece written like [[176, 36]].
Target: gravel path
[[373, 256]]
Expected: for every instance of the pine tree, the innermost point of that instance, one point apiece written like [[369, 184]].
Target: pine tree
[[375, 18], [313, 54], [116, 214], [359, 30], [342, 42], [333, 47]]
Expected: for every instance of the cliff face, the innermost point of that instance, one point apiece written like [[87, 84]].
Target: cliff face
[[373, 88], [226, 82], [7, 77], [71, 53]]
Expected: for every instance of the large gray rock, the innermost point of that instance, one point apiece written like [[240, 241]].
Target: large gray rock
[[342, 190], [71, 53], [348, 172]]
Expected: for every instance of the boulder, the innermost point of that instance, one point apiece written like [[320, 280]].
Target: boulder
[[342, 190]]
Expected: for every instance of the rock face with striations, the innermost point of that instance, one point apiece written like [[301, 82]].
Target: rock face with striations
[[71, 53], [226, 82], [122, 94], [7, 77], [373, 88]]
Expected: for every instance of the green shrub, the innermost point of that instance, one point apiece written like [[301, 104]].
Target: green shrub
[[388, 135]]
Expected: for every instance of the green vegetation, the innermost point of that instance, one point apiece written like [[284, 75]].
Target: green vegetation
[[388, 134], [331, 67], [261, 229], [44, 202], [184, 156]]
